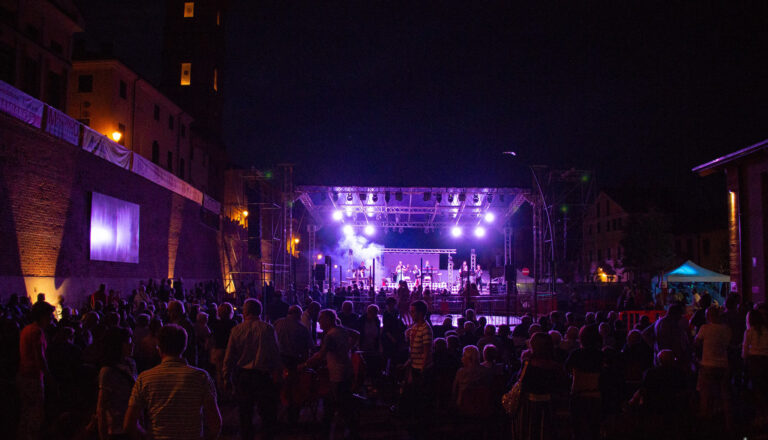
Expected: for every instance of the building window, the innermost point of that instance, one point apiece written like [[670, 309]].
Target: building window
[[7, 63], [608, 253], [620, 226], [56, 47], [55, 90], [590, 256], [181, 168], [215, 80], [85, 83], [191, 153], [608, 226], [155, 152], [598, 227], [183, 129], [597, 209], [170, 161], [599, 255], [123, 89], [589, 230], [33, 33], [218, 18], [189, 9], [607, 207], [186, 74], [157, 112], [170, 122], [31, 78]]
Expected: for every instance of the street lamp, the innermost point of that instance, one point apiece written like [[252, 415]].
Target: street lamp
[[552, 276]]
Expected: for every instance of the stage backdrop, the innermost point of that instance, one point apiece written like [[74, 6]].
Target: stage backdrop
[[389, 261]]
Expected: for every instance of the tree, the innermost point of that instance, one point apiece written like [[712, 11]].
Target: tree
[[647, 245]]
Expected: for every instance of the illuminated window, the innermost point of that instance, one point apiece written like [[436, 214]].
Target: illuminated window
[[186, 74], [155, 152], [189, 9], [216, 80], [218, 18]]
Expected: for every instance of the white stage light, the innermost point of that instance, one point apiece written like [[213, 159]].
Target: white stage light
[[348, 230], [337, 215], [490, 217], [479, 232], [456, 231], [369, 230], [348, 210], [370, 211]]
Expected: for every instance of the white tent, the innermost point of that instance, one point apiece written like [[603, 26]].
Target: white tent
[[690, 272]]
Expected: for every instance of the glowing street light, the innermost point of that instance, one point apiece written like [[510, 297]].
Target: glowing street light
[[479, 232], [319, 257], [337, 215], [296, 240], [245, 213], [456, 231], [116, 136]]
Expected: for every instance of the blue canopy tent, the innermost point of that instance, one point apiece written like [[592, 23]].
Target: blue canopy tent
[[691, 276]]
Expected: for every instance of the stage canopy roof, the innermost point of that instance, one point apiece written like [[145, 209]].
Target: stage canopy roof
[[690, 272], [427, 208]]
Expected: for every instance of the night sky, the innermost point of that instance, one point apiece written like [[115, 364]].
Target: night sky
[[430, 93]]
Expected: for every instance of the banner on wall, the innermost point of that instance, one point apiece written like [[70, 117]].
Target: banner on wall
[[98, 144], [158, 175], [211, 204], [20, 105], [62, 126]]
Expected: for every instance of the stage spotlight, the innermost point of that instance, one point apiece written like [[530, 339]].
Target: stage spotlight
[[427, 196], [363, 197], [337, 215], [475, 199], [456, 231], [450, 198], [375, 198], [462, 197], [319, 257], [369, 230], [490, 217], [335, 196], [479, 232], [348, 211], [439, 197], [349, 197], [370, 211], [348, 230], [386, 196]]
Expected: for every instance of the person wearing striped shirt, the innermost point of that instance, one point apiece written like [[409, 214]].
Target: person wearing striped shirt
[[178, 400]]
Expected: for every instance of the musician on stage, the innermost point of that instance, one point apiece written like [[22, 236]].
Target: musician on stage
[[479, 278], [428, 273], [399, 272], [464, 274], [416, 275]]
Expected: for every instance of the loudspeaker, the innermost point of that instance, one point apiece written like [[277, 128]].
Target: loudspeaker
[[328, 260], [510, 274], [443, 261], [497, 272], [320, 272], [253, 196]]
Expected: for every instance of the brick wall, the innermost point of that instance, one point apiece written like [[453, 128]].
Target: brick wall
[[45, 187]]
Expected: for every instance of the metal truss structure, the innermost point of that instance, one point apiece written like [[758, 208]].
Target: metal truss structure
[[418, 251], [427, 208]]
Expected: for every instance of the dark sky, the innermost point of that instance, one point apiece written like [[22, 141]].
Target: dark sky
[[430, 93]]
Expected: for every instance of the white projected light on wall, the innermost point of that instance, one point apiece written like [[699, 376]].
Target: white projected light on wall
[[114, 229]]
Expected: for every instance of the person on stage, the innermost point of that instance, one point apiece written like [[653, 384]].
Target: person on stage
[[416, 275], [464, 274], [399, 272], [479, 278]]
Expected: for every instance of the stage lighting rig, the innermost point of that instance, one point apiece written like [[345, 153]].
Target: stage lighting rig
[[337, 215], [349, 197], [456, 231]]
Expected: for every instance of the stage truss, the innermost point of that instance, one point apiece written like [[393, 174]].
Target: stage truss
[[418, 251]]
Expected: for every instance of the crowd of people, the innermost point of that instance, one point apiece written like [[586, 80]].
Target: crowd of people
[[167, 359]]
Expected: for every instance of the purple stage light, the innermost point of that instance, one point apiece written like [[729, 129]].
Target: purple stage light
[[337, 215], [348, 230], [479, 232], [456, 231], [369, 230], [490, 217]]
